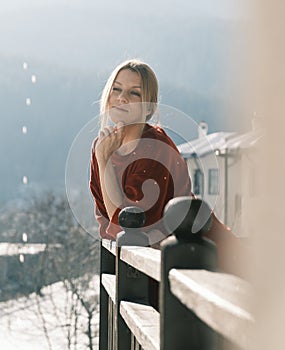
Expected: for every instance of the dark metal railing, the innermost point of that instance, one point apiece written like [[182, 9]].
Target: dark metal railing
[[153, 299]]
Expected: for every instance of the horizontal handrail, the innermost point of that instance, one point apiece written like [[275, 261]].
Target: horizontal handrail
[[143, 321], [109, 245], [195, 303], [109, 283], [220, 300], [146, 260]]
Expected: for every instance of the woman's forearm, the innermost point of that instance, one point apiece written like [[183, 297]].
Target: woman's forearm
[[110, 139], [112, 195]]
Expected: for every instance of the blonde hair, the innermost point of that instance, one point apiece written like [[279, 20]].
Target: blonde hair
[[149, 87]]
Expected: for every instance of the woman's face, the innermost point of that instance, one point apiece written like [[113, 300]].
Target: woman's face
[[125, 98]]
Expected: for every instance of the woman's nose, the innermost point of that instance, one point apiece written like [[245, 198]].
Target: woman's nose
[[123, 97]]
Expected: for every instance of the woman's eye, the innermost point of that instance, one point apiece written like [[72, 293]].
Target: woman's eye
[[115, 89], [136, 93]]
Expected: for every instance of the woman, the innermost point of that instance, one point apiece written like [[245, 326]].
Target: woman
[[134, 163]]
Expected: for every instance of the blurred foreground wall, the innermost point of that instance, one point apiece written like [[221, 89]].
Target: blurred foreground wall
[[267, 213]]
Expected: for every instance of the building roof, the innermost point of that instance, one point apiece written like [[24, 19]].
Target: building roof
[[219, 141], [204, 145], [242, 142]]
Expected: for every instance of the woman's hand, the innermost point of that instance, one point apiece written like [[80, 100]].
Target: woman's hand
[[110, 140]]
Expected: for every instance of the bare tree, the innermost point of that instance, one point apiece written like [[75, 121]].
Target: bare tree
[[70, 256]]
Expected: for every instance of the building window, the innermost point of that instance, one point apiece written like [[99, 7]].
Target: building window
[[198, 182], [213, 181]]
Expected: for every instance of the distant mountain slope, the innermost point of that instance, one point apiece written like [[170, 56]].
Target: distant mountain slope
[[72, 50]]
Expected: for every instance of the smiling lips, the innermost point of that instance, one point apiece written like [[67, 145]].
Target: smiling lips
[[121, 109]]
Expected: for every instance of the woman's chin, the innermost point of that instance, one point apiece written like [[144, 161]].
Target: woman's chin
[[126, 120], [117, 116], [116, 120]]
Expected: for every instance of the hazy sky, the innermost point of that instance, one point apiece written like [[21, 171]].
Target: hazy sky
[[196, 48], [85, 33], [216, 8]]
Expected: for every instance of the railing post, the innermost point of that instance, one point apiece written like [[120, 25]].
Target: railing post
[[180, 328], [107, 265], [131, 284]]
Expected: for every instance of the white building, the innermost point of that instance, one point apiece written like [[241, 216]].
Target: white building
[[223, 173]]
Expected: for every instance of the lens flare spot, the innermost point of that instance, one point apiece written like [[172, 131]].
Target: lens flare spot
[[25, 180], [28, 101]]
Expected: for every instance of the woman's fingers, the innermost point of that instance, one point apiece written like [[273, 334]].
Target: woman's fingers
[[108, 130], [115, 133], [110, 139], [101, 134]]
